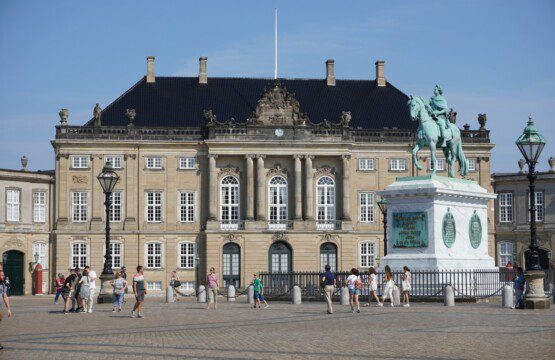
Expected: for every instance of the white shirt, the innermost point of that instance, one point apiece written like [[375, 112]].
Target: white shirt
[[351, 281], [92, 276]]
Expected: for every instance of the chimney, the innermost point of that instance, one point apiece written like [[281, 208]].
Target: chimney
[[150, 78], [24, 162], [380, 76], [202, 78], [330, 73]]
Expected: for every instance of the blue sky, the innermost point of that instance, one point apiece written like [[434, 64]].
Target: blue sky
[[493, 57]]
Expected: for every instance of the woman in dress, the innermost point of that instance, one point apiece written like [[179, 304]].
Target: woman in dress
[[85, 292], [406, 286], [119, 284], [373, 286], [389, 283], [213, 285]]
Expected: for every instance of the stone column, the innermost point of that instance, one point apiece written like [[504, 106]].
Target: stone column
[[346, 188], [260, 187], [309, 208], [298, 186], [213, 186], [250, 187]]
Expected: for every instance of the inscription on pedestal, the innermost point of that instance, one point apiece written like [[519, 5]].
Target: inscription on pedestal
[[475, 230], [449, 229], [410, 229]]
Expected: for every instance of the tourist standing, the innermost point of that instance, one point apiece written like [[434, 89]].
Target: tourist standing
[[5, 299], [328, 281], [373, 286], [68, 291], [92, 287], [213, 285], [60, 280], [85, 291], [258, 292], [405, 284], [140, 291], [123, 273], [119, 284], [175, 283], [518, 285], [77, 292], [389, 284], [354, 284]]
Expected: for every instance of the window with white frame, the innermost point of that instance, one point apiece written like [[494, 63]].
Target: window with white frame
[[39, 206], [79, 255], [187, 163], [115, 160], [154, 206], [366, 206], [367, 253], [325, 193], [154, 162], [12, 204], [277, 200], [505, 207], [229, 199], [116, 250], [539, 206], [187, 286], [115, 207], [41, 249], [471, 165], [506, 251], [79, 206], [365, 164], [397, 164], [186, 206], [80, 162], [153, 255], [186, 255], [154, 285], [440, 164]]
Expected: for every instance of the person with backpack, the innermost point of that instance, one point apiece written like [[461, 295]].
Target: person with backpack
[[354, 284]]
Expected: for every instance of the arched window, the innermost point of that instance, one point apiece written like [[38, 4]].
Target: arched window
[[231, 268], [277, 203], [229, 202], [325, 197], [328, 256], [280, 258]]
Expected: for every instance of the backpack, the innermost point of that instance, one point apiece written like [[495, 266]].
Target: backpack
[[358, 283]]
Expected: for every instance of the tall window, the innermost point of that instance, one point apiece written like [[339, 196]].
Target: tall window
[[325, 190], [365, 164], [539, 206], [506, 250], [80, 162], [328, 256], [154, 206], [39, 206], [367, 253], [115, 160], [154, 162], [440, 164], [115, 208], [79, 206], [471, 164], [79, 255], [40, 248], [12, 205], [154, 255], [116, 252], [397, 164], [187, 163], [366, 206], [277, 202], [187, 206], [505, 207], [187, 255], [229, 201]]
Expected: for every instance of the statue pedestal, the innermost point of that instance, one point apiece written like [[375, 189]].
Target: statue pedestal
[[106, 294], [535, 297], [437, 223]]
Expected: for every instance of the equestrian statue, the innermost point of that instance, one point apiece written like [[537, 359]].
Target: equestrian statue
[[436, 131]]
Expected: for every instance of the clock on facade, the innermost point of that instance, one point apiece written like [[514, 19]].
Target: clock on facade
[[279, 132]]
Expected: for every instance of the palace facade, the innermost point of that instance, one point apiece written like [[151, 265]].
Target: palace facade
[[245, 175]]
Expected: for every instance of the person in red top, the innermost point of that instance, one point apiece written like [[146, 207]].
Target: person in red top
[[60, 280]]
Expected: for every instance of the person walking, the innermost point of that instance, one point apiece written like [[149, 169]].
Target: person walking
[[354, 284], [123, 273], [85, 291], [213, 285], [68, 291], [119, 284], [518, 285], [5, 299], [258, 292], [92, 287], [389, 283], [140, 291], [328, 282], [175, 283], [373, 286], [405, 284], [60, 280]]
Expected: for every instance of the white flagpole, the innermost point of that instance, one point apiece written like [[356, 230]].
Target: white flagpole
[[275, 45]]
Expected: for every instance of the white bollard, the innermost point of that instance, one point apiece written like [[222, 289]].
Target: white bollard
[[169, 294], [201, 295], [344, 293], [449, 296], [231, 293], [250, 294], [296, 295], [396, 296], [507, 297]]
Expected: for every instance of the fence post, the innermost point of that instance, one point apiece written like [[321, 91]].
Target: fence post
[[250, 294], [344, 293], [449, 296], [507, 296], [296, 295], [201, 294], [231, 293], [169, 294]]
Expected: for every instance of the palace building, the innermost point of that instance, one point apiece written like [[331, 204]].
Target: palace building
[[245, 175]]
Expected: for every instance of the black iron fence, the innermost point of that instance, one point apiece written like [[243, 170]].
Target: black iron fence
[[470, 284]]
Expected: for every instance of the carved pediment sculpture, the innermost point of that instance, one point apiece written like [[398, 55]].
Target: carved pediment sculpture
[[229, 170], [324, 170], [277, 106], [277, 170]]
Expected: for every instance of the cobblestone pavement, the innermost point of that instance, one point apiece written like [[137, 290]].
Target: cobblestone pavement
[[39, 330]]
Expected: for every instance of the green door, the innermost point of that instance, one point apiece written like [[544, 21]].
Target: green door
[[13, 269]]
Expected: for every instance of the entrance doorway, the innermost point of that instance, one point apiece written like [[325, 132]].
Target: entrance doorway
[[231, 267], [13, 262]]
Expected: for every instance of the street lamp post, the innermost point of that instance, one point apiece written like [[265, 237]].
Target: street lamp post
[[531, 143], [382, 204], [108, 180]]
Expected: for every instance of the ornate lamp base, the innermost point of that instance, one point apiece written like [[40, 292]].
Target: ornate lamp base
[[535, 297], [106, 294]]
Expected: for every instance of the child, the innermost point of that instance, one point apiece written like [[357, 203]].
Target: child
[[406, 286], [258, 292]]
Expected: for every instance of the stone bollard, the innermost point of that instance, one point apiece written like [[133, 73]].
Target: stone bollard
[[230, 293], [449, 296], [169, 294], [507, 297], [344, 294], [201, 295], [296, 295], [396, 296], [250, 294]]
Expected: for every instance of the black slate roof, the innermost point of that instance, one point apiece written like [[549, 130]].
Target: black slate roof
[[180, 101]]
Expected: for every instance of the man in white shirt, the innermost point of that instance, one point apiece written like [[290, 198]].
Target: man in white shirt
[[92, 285]]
